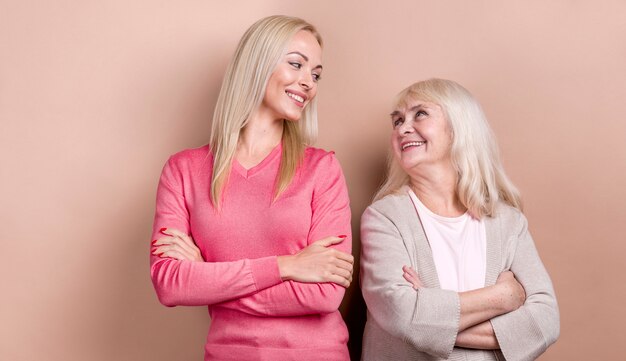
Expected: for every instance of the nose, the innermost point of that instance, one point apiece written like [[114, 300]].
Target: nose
[[306, 81], [406, 127]]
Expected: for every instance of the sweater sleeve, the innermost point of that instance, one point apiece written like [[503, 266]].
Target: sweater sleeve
[[526, 333], [186, 283], [427, 319], [330, 217]]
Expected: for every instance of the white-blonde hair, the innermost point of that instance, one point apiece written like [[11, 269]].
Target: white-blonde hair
[[243, 89], [481, 180]]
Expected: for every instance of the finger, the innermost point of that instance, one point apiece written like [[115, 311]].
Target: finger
[[336, 279], [410, 271], [343, 256], [187, 243], [410, 279], [186, 240], [329, 241], [170, 242], [173, 232], [416, 280], [173, 248], [159, 250], [176, 254], [343, 264], [163, 241], [343, 273]]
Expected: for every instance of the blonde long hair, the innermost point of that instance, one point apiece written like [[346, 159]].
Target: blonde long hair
[[243, 89], [481, 180]]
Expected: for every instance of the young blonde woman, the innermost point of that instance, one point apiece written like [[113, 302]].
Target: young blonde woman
[[256, 225], [449, 270]]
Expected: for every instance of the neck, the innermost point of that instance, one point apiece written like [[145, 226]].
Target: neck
[[436, 189], [260, 135]]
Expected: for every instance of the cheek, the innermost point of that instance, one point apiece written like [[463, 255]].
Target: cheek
[[276, 80], [395, 145], [270, 89], [393, 141], [283, 76], [447, 139]]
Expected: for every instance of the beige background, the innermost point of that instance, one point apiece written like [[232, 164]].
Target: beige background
[[94, 95]]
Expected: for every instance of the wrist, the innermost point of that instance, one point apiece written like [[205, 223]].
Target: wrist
[[284, 267]]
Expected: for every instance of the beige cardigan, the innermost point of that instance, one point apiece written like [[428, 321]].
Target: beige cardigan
[[405, 324]]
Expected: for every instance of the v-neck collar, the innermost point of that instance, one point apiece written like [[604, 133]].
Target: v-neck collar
[[247, 173]]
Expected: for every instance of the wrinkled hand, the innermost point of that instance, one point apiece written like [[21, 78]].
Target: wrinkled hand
[[412, 276], [176, 245], [511, 290], [318, 262]]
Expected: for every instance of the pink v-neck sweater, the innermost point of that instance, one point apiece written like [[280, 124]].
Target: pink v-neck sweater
[[254, 314]]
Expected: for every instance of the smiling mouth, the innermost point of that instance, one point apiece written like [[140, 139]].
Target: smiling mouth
[[295, 97], [412, 144]]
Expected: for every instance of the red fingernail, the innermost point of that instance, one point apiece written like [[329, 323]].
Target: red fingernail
[[162, 229], [342, 236], [153, 242]]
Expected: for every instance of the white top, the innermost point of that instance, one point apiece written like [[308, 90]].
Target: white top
[[459, 246]]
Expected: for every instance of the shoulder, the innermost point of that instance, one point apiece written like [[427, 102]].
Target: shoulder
[[393, 208], [505, 212], [317, 156], [191, 154], [391, 204], [190, 158], [319, 162], [392, 214], [508, 218]]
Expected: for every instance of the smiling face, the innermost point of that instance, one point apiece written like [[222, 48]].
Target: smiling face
[[293, 83], [421, 135]]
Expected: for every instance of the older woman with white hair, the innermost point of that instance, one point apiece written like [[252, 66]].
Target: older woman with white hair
[[256, 225], [449, 270]]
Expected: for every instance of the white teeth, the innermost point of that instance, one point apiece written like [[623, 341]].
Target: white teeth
[[413, 144], [296, 97]]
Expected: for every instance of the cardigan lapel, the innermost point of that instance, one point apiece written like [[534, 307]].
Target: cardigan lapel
[[494, 250], [425, 264]]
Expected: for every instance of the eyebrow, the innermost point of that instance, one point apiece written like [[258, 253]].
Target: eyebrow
[[305, 58], [411, 110], [416, 108]]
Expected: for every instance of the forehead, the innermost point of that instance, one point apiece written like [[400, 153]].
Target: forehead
[[305, 43], [409, 105]]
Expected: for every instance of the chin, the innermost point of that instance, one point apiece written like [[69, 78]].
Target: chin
[[406, 165], [292, 117]]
